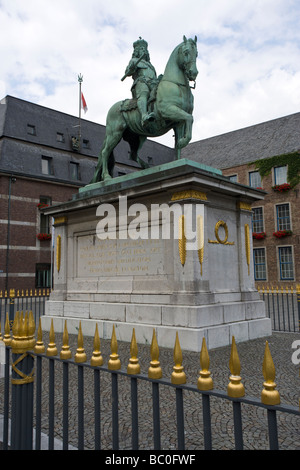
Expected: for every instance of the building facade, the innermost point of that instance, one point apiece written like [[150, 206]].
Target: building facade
[[44, 159], [266, 157]]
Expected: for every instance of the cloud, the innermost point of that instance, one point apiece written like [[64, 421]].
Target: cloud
[[248, 55]]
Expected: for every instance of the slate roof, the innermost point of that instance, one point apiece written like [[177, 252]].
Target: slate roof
[[20, 152], [275, 137]]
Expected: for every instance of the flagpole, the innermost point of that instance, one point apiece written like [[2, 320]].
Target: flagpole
[[80, 80]]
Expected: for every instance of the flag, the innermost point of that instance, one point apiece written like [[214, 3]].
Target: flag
[[83, 103]]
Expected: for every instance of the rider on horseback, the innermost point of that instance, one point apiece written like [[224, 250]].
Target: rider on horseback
[[144, 78]]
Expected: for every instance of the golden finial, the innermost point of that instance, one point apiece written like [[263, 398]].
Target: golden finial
[[96, 359], [154, 371], [39, 347], [65, 352], [7, 337], [269, 396], [21, 340], [114, 362], [205, 382], [235, 387], [178, 375], [133, 366], [80, 355], [52, 349], [31, 330]]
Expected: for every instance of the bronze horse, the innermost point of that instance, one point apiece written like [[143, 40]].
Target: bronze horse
[[172, 106]]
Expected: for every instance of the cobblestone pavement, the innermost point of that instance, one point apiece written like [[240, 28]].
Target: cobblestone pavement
[[255, 430]]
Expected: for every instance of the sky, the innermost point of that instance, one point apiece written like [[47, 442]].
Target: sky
[[248, 55]]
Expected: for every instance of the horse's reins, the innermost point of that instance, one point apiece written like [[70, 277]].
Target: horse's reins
[[181, 84]]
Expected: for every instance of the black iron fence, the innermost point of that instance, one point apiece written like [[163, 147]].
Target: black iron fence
[[282, 307], [23, 300], [109, 416]]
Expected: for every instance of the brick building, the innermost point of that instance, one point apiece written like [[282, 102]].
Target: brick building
[[265, 156], [41, 163]]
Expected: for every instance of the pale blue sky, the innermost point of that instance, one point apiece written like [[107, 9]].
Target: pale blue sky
[[249, 55]]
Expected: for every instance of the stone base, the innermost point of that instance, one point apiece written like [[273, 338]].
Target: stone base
[[217, 323], [167, 247]]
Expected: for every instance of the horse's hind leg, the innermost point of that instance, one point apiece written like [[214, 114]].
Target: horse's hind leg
[[136, 142]]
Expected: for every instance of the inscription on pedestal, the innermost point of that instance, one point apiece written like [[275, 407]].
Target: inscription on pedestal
[[118, 257]]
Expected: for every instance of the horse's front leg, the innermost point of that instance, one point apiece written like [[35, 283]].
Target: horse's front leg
[[184, 126], [187, 133]]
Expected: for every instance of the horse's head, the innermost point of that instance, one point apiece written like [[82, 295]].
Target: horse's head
[[187, 58]]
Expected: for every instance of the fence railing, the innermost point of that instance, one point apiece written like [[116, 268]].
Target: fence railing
[[117, 392], [25, 300], [282, 307]]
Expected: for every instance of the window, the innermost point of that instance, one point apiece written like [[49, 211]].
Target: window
[[233, 178], [257, 220], [60, 137], [286, 263], [31, 129], [259, 259], [74, 171], [43, 275], [254, 179], [85, 143], [283, 217], [280, 175], [45, 219], [46, 166]]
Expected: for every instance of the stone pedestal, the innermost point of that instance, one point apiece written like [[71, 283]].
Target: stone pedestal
[[177, 257]]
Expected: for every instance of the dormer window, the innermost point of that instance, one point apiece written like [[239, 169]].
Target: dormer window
[[60, 137], [74, 171], [31, 129], [47, 166]]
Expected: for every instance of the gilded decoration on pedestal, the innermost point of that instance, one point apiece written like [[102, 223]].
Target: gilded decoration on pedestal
[[244, 206], [182, 240], [189, 195], [58, 252], [218, 240], [60, 221], [247, 246], [200, 239]]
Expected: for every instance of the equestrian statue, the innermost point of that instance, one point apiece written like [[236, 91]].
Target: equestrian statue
[[158, 105]]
